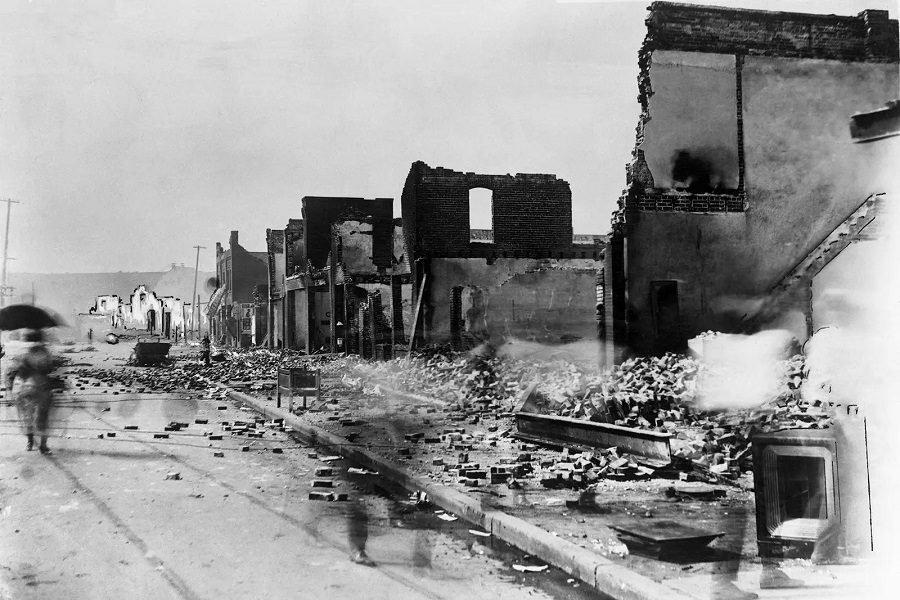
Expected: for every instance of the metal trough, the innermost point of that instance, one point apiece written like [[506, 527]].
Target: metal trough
[[151, 352], [564, 431]]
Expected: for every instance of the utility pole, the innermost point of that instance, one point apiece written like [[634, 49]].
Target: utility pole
[[3, 289], [196, 272]]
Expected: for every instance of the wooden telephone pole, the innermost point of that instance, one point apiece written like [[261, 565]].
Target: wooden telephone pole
[[3, 288]]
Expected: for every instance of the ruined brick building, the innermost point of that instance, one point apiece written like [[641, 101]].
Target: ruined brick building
[[742, 167], [336, 277], [236, 310], [349, 277], [525, 278]]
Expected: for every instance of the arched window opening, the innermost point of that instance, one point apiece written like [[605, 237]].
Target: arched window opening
[[481, 215]]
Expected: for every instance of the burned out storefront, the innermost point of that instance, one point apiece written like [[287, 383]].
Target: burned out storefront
[[239, 272], [730, 186], [525, 277], [341, 262]]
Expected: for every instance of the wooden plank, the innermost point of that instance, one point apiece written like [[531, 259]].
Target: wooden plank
[[415, 323], [580, 432]]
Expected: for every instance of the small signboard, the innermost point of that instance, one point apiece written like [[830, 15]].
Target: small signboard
[[246, 317], [298, 381]]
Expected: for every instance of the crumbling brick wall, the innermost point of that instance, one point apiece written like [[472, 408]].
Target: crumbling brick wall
[[869, 36], [532, 214], [320, 213]]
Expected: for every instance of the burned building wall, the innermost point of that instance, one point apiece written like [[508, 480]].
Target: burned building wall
[[471, 300], [367, 297], [532, 213], [703, 258], [275, 251], [320, 213]]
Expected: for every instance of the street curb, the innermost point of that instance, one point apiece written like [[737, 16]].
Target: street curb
[[599, 572]]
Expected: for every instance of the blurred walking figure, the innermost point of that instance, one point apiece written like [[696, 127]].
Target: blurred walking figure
[[28, 379], [358, 534], [204, 350]]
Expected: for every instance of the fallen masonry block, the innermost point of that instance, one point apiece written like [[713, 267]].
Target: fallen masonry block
[[404, 451], [160, 436], [500, 477], [221, 408], [130, 428], [432, 440], [215, 437], [245, 448], [324, 472], [437, 462], [468, 482], [111, 434], [201, 421], [326, 483], [173, 476], [325, 496], [219, 454], [342, 497], [475, 474], [523, 470], [277, 451], [312, 455]]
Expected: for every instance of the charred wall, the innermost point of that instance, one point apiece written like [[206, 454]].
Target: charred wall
[[774, 91], [320, 213], [532, 214], [550, 301]]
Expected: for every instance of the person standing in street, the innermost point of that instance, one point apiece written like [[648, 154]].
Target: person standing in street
[[28, 379], [204, 350]]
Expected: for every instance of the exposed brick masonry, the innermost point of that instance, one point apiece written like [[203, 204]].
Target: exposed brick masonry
[[532, 214], [870, 36]]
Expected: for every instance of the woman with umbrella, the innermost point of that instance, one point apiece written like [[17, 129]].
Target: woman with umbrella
[[28, 371]]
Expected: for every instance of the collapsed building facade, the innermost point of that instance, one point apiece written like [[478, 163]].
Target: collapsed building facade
[[742, 168], [237, 309], [336, 277], [525, 278]]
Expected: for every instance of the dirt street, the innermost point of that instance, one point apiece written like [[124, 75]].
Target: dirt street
[[127, 507]]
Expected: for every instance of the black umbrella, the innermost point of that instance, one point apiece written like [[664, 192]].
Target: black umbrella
[[27, 316]]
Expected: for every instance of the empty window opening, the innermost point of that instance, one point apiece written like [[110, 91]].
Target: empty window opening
[[481, 215]]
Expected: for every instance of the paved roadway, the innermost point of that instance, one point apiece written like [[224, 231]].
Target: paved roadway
[[100, 519]]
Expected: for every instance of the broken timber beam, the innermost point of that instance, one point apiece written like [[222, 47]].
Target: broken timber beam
[[563, 431]]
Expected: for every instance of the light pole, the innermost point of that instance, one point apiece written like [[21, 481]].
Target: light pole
[[3, 290], [194, 295]]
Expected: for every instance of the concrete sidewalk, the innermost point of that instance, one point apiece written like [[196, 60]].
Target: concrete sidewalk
[[378, 430], [603, 574], [595, 570]]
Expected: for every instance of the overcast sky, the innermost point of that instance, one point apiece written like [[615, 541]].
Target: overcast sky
[[131, 131]]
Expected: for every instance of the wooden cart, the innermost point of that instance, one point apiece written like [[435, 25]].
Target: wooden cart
[[151, 350]]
